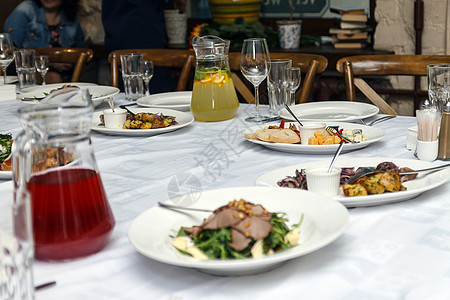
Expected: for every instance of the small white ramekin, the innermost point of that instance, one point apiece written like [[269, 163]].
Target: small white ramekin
[[114, 120], [308, 129], [320, 181]]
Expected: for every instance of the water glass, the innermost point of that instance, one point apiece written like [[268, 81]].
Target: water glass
[[42, 65], [132, 67], [278, 84], [16, 248], [25, 67], [439, 83]]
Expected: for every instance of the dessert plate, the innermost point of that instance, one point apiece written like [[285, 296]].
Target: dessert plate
[[330, 111], [174, 100]]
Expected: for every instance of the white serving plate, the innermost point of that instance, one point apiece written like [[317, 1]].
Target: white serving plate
[[372, 134], [5, 175], [183, 119], [324, 221], [9, 79], [173, 100], [414, 187], [330, 111], [98, 92]]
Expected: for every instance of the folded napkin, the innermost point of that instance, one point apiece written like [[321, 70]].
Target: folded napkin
[[411, 138], [7, 92]]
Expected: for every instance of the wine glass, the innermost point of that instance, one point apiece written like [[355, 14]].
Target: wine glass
[[6, 52], [147, 74], [42, 64], [255, 65], [294, 78]]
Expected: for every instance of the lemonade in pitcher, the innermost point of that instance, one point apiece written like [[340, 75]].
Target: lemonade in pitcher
[[213, 96]]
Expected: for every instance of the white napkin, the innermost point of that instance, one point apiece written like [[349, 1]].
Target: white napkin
[[7, 92], [411, 138]]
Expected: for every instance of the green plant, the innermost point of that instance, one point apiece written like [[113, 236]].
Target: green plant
[[240, 30]]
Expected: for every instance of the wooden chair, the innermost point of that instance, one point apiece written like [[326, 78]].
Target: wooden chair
[[310, 65], [173, 58], [382, 65], [76, 56]]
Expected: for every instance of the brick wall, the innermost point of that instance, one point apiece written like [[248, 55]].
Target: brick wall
[[395, 31]]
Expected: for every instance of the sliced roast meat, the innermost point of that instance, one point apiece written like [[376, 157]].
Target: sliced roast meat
[[254, 227], [194, 230], [238, 241], [227, 217]]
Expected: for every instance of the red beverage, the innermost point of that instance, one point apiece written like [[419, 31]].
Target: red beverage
[[71, 215]]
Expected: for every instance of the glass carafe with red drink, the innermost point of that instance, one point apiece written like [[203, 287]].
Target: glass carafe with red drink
[[54, 161]]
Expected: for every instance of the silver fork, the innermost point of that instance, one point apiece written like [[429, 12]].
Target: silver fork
[[376, 120]]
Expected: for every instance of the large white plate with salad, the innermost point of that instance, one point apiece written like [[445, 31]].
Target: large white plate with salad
[[183, 119], [324, 220], [424, 182], [372, 134], [97, 92], [173, 100], [330, 111]]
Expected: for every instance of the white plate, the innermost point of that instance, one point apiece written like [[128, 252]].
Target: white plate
[[98, 92], [174, 100], [5, 174], [414, 187], [324, 221], [9, 79], [330, 111], [182, 118], [372, 134]]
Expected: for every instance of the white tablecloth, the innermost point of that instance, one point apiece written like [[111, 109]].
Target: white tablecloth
[[385, 252]]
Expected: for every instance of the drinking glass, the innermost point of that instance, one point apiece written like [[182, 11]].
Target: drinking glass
[[278, 90], [147, 74], [439, 83], [42, 64], [16, 246], [132, 75], [294, 77], [254, 66], [6, 53], [25, 67]]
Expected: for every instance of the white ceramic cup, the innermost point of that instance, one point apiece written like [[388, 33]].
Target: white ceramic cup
[[320, 181], [308, 129], [114, 120], [427, 151]]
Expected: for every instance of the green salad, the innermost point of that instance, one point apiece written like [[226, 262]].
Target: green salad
[[5, 146], [239, 229]]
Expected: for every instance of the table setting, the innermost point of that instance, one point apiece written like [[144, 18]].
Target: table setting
[[378, 246]]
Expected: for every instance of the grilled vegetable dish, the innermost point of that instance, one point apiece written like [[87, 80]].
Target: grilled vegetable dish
[[387, 180], [239, 229]]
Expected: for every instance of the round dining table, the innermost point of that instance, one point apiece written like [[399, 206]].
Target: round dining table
[[392, 251]]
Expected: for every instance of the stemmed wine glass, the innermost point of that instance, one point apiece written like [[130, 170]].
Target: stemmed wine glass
[[255, 66], [147, 74], [6, 52], [42, 64], [294, 77]]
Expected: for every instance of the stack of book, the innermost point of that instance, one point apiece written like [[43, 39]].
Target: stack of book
[[353, 32]]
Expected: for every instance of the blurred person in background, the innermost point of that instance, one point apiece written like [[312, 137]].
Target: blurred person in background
[[139, 24], [47, 23]]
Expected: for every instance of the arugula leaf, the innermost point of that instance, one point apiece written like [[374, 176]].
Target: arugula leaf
[[5, 146]]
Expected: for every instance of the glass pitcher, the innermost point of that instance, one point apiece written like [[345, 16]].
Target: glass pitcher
[[54, 161], [213, 96]]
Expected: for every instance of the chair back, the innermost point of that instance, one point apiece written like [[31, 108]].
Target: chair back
[[76, 56], [310, 65], [172, 58], [382, 65]]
